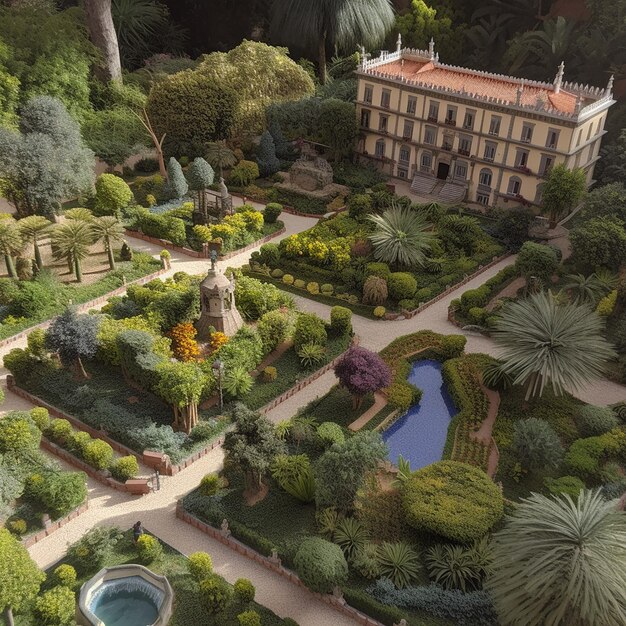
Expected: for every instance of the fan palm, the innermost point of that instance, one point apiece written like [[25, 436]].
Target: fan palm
[[79, 213], [218, 154], [11, 244], [344, 24], [546, 342], [401, 237], [33, 227], [585, 288], [71, 242], [109, 230], [561, 562]]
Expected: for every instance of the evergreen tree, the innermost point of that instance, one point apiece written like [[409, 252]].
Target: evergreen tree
[[267, 160], [200, 176], [176, 186], [280, 142]]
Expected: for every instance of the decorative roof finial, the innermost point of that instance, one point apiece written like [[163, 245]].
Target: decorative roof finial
[[431, 49], [558, 79], [399, 43], [609, 87]]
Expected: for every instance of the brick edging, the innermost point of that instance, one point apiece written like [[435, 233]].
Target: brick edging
[[274, 565], [168, 245], [83, 307], [31, 540]]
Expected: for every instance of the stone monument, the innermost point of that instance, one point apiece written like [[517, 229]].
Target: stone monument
[[311, 173], [217, 305]]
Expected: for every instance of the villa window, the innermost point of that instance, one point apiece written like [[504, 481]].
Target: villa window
[[589, 131], [382, 123], [380, 148], [407, 131], [553, 139], [405, 154], [482, 198], [368, 94], [427, 161], [430, 135], [385, 98], [521, 159], [468, 122], [411, 105], [485, 177], [490, 151], [460, 171], [515, 186], [546, 164], [365, 118], [451, 116], [433, 111], [494, 125], [527, 133], [465, 145]]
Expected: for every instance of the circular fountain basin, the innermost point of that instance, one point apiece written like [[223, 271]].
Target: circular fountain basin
[[125, 595]]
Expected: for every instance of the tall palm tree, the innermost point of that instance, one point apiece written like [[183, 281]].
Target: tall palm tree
[[109, 230], [342, 24], [561, 562], [218, 154], [71, 242], [11, 244], [545, 342], [102, 33], [585, 288], [33, 227], [401, 237]]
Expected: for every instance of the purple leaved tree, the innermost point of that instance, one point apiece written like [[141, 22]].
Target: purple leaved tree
[[361, 372]]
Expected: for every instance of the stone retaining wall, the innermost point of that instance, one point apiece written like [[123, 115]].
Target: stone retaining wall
[[31, 540], [83, 307], [274, 565]]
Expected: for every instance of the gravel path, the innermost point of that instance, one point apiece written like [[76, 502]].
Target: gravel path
[[157, 510]]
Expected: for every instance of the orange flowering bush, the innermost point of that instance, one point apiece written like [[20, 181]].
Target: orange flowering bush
[[218, 339], [184, 345]]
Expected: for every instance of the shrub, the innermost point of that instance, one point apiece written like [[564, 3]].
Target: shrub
[[424, 294], [320, 564], [269, 374], [399, 563], [477, 315], [536, 444], [330, 433], [309, 329], [271, 212], [452, 346], [60, 430], [359, 205], [379, 312], [570, 485], [288, 279], [56, 607], [273, 328], [378, 269], [125, 468], [244, 173], [200, 565], [299, 283], [606, 306], [475, 298], [62, 492], [350, 535], [452, 499], [210, 484], [18, 433], [375, 290], [146, 165], [311, 354], [87, 554], [535, 259], [18, 526], [294, 474], [40, 417], [112, 195], [595, 420], [203, 430], [65, 575], [313, 288], [459, 567], [402, 285], [269, 253], [149, 548], [365, 561], [277, 273], [244, 590], [98, 454], [340, 321], [249, 618], [216, 593]]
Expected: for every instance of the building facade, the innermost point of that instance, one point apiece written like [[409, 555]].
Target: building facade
[[463, 134]]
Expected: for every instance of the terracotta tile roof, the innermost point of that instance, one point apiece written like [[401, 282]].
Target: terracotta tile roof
[[428, 75]]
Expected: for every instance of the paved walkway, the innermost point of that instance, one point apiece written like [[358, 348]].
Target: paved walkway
[[157, 510]]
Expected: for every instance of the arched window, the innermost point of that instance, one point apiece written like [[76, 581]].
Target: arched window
[[380, 148], [405, 154], [427, 160], [460, 170], [515, 186], [485, 177]]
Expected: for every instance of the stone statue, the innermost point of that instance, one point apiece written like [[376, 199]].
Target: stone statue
[[213, 259], [223, 189]]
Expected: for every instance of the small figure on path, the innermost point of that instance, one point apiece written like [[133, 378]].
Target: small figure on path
[[137, 531]]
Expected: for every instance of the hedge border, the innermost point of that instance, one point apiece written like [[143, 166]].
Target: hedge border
[[31, 540]]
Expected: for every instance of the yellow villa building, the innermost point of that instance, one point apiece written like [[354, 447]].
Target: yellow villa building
[[461, 134]]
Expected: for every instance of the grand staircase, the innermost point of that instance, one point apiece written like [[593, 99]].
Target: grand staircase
[[443, 191], [423, 185]]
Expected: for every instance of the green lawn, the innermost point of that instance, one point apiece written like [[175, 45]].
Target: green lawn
[[188, 609]]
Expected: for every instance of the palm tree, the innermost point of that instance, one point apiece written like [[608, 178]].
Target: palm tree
[[109, 230], [545, 342], [401, 237], [218, 154], [342, 24], [71, 242], [33, 227], [79, 213], [560, 562], [585, 288], [102, 33], [11, 244]]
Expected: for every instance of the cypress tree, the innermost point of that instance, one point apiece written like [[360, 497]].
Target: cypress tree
[[267, 160], [177, 186]]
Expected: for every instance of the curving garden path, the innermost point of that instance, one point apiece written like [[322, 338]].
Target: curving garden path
[[157, 510]]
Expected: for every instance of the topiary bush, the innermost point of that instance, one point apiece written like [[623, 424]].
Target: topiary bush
[[595, 420], [379, 312], [269, 374], [125, 468], [402, 285], [216, 594], [271, 212], [309, 329], [453, 500], [40, 417], [249, 618], [112, 195], [65, 576], [273, 328], [340, 321], [535, 259], [210, 484], [200, 565], [320, 564], [330, 433], [98, 454], [244, 590], [18, 433], [62, 492], [18, 526], [60, 430], [56, 607], [149, 548]]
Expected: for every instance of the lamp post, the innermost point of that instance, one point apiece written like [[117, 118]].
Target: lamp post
[[218, 369]]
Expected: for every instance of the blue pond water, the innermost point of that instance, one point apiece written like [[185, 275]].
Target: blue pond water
[[129, 601], [420, 435]]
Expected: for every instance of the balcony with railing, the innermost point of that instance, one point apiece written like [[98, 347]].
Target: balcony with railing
[[484, 188], [524, 169], [489, 158], [432, 118], [446, 146], [464, 152], [450, 122]]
